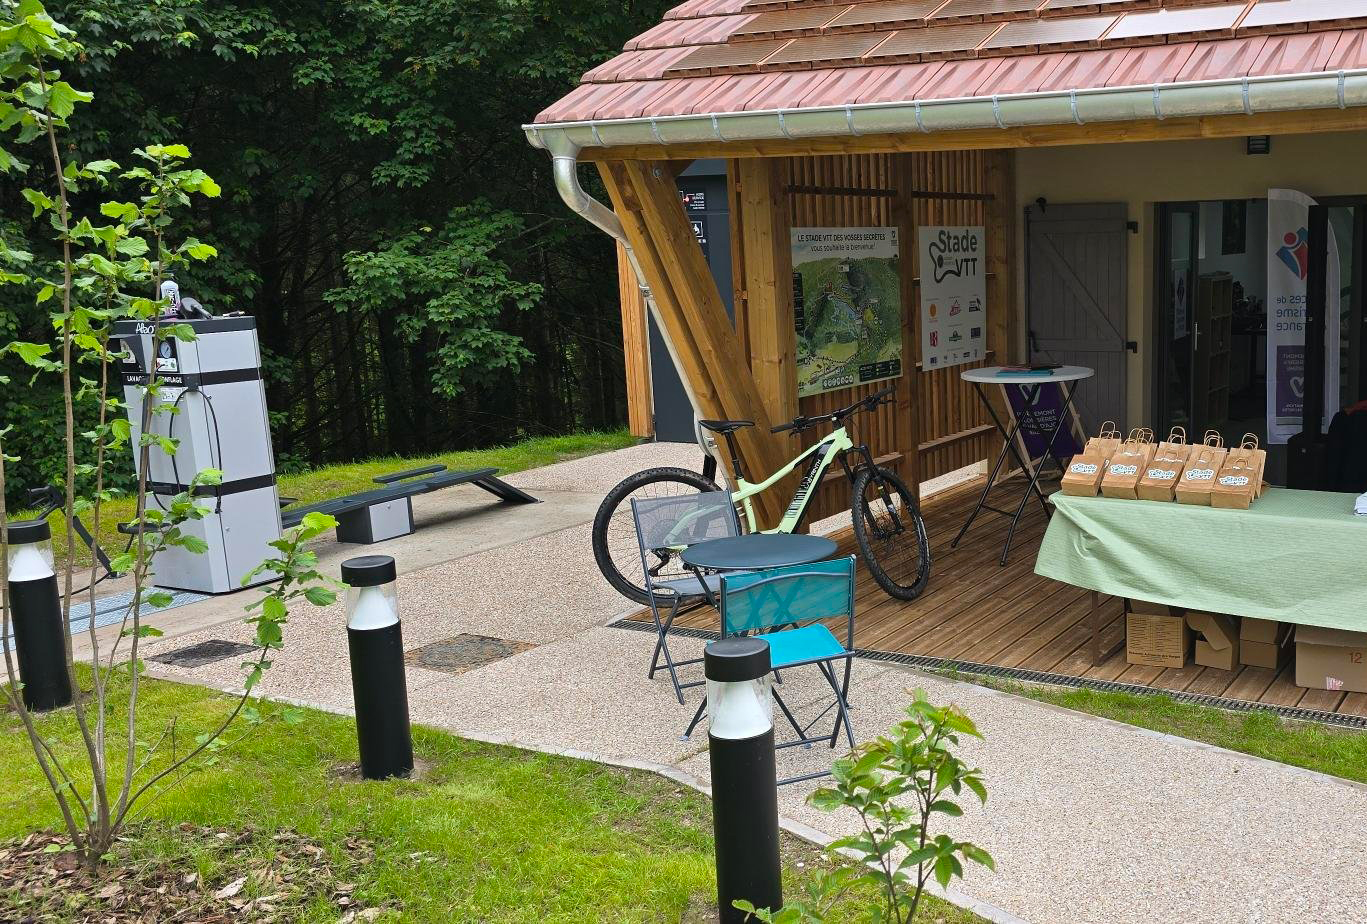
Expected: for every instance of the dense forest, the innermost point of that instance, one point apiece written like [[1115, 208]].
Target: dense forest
[[416, 281]]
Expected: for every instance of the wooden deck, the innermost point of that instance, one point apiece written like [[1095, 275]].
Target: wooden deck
[[977, 611]]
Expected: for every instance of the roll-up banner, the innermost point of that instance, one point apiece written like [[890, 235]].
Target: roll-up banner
[[1288, 261]]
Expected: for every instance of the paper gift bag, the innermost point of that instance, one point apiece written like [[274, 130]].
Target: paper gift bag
[[1083, 475], [1159, 480], [1236, 483], [1127, 465], [1105, 443], [1204, 463], [1248, 449]]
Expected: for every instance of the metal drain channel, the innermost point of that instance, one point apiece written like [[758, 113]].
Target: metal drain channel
[[950, 666]]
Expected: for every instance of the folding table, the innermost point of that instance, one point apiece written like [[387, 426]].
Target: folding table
[[1030, 383]]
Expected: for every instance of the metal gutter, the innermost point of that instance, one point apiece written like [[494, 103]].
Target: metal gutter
[[565, 166], [1247, 95]]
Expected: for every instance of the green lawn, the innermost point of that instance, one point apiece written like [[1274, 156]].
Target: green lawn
[[348, 478], [1338, 751], [504, 835]]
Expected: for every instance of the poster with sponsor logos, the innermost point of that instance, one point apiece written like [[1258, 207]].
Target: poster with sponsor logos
[[953, 295], [847, 307], [1288, 263]]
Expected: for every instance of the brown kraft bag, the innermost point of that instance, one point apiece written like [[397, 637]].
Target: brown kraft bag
[[1237, 482], [1159, 480], [1204, 463], [1127, 465]]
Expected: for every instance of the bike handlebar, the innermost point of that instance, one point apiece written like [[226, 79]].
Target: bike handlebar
[[866, 403]]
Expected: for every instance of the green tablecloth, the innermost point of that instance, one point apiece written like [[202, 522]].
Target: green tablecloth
[[1294, 556]]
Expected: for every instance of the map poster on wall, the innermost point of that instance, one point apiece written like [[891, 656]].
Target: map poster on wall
[[953, 295], [847, 307]]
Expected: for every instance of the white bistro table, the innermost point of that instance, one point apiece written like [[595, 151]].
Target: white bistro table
[[1030, 383]]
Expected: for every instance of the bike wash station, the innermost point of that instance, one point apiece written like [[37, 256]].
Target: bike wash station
[[212, 402]]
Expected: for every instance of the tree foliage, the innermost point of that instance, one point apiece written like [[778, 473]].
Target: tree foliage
[[416, 281]]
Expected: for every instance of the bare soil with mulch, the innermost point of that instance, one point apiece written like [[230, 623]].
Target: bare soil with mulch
[[265, 877]]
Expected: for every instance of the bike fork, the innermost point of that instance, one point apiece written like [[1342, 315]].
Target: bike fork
[[882, 490]]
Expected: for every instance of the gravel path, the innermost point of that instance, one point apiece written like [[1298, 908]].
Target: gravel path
[[1089, 820]]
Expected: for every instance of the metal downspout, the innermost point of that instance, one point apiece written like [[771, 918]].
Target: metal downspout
[[565, 164]]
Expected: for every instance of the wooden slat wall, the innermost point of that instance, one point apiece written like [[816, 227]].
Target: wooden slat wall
[[947, 409], [885, 431], [636, 349], [936, 424]]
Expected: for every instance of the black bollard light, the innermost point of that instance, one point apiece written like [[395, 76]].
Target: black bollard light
[[740, 742], [36, 613], [378, 687]]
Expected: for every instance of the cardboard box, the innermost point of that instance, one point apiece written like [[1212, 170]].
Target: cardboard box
[[1218, 645], [1264, 643], [1156, 635], [1331, 659]]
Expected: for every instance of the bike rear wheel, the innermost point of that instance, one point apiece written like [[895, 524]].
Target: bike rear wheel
[[890, 533], [615, 547]]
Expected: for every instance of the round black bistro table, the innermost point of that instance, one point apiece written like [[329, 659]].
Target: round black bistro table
[[755, 552]]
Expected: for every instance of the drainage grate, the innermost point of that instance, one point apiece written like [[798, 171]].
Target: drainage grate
[[203, 653], [949, 666], [464, 652]]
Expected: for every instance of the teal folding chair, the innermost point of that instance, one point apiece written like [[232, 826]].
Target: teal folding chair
[[789, 607]]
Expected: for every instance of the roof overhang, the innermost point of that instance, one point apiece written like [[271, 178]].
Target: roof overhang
[[1246, 96]]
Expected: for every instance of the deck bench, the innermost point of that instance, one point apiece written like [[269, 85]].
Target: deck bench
[[387, 512]]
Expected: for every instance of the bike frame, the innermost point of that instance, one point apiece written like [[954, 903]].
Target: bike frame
[[831, 447]]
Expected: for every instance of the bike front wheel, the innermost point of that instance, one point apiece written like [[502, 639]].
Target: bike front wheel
[[615, 547], [890, 533]]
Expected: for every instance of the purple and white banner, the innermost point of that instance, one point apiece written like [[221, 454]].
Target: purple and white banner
[[1288, 261]]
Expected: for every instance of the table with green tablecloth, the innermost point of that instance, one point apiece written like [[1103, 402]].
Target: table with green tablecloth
[[1294, 556]]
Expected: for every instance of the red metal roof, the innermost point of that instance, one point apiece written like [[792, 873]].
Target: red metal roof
[[720, 56]]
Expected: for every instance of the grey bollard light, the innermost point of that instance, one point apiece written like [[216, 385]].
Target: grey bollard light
[[740, 742], [36, 614], [378, 685]]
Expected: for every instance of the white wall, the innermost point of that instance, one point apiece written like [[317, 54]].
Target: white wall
[[1144, 174]]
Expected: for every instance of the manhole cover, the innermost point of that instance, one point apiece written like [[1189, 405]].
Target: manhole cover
[[203, 653], [464, 652]]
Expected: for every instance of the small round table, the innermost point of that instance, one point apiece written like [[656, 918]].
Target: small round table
[[755, 552], [1030, 384]]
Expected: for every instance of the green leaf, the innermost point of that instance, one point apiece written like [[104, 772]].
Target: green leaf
[[31, 353], [320, 596], [944, 870], [40, 202], [274, 609], [62, 98], [947, 807], [159, 599], [124, 211]]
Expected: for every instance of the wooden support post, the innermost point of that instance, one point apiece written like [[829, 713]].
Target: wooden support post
[[906, 427], [1003, 320], [768, 279], [692, 315], [635, 349]]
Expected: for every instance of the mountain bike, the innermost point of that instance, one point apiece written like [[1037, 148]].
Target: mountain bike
[[887, 523]]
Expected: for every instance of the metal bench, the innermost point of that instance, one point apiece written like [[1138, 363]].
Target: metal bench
[[387, 512]]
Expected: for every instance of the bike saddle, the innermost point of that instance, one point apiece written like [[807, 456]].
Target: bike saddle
[[725, 426]]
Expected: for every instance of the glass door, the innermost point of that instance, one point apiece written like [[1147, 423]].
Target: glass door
[[1177, 334], [1348, 223]]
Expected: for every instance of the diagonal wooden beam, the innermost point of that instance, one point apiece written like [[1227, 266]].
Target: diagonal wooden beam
[[692, 314]]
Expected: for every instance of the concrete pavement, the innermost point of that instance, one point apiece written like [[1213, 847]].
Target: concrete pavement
[[1089, 820]]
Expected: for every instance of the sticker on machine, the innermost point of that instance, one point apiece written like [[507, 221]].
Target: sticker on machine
[[168, 359]]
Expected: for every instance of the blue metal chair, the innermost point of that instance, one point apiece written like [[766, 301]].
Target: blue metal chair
[[788, 606], [664, 527]]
